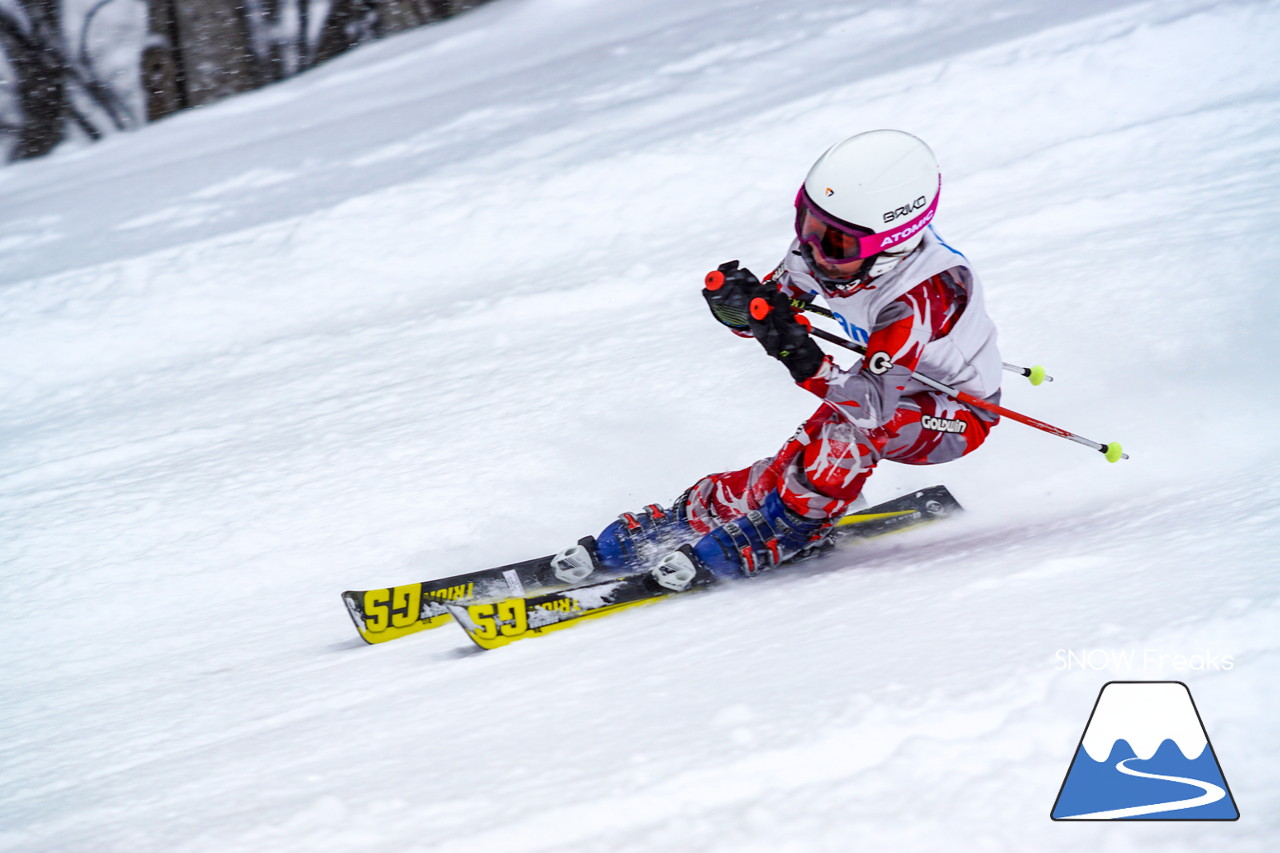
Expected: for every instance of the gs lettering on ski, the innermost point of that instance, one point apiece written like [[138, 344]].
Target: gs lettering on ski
[[943, 424], [507, 618], [402, 606], [906, 209], [396, 607]]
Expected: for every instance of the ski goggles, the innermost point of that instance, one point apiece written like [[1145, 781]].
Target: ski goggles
[[838, 242]]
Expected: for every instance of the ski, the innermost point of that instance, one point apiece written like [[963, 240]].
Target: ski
[[493, 624], [496, 623], [388, 614], [901, 513]]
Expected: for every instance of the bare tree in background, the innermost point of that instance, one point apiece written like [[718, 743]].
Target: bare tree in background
[[44, 73], [352, 22], [200, 51], [27, 33], [196, 52]]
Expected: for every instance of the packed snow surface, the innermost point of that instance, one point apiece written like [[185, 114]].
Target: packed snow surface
[[435, 307]]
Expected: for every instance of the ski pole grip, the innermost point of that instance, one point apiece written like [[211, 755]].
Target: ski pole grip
[[760, 308], [714, 280]]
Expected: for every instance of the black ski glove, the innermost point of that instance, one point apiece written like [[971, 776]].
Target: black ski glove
[[784, 334], [729, 291]]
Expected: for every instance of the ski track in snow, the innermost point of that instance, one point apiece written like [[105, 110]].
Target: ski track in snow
[[435, 306]]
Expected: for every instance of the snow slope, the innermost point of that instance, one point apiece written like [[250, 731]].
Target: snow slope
[[435, 306]]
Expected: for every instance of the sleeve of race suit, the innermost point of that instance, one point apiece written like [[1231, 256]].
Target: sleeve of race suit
[[869, 393]]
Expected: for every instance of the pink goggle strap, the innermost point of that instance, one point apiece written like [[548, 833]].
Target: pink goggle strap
[[900, 233], [876, 243]]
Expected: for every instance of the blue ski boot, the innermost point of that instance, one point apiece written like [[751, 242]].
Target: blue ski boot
[[753, 543], [632, 543]]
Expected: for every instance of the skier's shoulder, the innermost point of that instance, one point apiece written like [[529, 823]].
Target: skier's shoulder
[[936, 255], [933, 241], [936, 266]]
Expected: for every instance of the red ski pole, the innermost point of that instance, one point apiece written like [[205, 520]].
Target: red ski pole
[[1112, 450]]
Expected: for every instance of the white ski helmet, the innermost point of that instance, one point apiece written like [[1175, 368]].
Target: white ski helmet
[[870, 196]]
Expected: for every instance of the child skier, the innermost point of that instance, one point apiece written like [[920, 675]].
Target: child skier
[[863, 242]]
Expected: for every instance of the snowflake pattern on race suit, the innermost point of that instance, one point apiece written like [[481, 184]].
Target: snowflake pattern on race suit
[[820, 470], [927, 314]]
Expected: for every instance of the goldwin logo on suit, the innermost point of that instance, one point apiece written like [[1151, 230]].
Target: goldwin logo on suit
[[943, 424]]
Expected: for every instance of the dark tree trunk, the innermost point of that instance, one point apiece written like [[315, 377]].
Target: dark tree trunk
[[163, 78], [304, 35], [217, 49], [276, 63], [351, 22], [346, 26], [198, 52], [36, 55], [162, 82], [393, 16]]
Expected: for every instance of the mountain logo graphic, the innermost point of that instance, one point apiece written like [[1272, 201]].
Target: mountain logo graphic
[[1145, 755]]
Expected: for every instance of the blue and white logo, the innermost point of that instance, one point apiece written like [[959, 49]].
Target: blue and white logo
[[1145, 755], [855, 333]]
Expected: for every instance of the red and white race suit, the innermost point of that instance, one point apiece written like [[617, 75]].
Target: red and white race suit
[[926, 315]]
